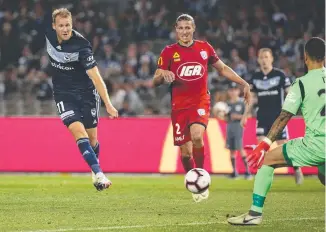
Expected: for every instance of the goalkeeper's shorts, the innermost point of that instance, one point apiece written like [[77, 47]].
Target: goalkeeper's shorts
[[305, 151]]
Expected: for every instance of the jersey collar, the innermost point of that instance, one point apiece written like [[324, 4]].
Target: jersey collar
[[192, 44]]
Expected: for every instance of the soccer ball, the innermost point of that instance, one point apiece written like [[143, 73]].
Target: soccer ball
[[197, 180]]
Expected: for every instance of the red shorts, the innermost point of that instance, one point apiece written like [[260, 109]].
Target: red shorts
[[183, 119]]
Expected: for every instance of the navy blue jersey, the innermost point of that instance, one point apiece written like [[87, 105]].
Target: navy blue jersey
[[69, 62], [270, 90]]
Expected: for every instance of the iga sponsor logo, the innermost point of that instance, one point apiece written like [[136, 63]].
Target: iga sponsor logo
[[190, 71]]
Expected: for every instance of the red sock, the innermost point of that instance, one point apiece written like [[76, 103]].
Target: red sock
[[188, 163], [199, 156]]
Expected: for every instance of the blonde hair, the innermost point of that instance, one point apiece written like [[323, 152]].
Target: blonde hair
[[265, 50], [185, 17], [62, 12]]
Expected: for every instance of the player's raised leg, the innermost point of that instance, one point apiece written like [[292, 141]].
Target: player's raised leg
[[262, 185], [79, 132], [197, 131]]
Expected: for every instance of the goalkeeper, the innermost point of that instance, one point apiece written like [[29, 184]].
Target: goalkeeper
[[308, 94]]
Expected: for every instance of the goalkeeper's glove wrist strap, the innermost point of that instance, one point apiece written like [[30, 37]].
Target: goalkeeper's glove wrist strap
[[267, 141]]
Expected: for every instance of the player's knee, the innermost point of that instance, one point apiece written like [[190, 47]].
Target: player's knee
[[197, 138], [232, 154], [321, 178], [185, 155], [78, 130]]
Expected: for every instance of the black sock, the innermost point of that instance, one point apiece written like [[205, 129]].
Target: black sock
[[254, 213], [88, 154], [244, 159], [233, 162]]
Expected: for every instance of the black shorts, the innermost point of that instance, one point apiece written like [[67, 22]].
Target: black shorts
[[234, 140], [79, 107], [263, 127]]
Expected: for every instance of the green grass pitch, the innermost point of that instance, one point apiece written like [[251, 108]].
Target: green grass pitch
[[152, 203]]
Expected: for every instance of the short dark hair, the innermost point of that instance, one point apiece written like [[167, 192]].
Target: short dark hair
[[315, 49], [185, 17]]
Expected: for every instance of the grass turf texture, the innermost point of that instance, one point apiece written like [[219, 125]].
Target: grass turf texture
[[140, 203]]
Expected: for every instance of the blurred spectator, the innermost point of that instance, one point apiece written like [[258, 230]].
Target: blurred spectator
[[252, 63], [238, 65], [11, 84], [43, 88], [126, 111], [128, 36], [9, 45]]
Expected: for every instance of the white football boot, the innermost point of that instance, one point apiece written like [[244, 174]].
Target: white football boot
[[100, 181], [245, 219], [198, 197]]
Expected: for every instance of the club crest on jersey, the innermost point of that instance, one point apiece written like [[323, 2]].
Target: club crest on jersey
[[176, 57], [201, 112], [190, 71], [204, 55]]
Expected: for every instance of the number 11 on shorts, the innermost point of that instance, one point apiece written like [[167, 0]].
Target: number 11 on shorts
[[60, 107]]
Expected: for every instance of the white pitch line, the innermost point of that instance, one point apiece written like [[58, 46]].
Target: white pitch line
[[124, 227], [166, 225]]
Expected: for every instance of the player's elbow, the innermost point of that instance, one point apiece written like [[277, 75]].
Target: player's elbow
[[157, 82]]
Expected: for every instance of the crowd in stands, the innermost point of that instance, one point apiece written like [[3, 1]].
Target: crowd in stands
[[128, 35]]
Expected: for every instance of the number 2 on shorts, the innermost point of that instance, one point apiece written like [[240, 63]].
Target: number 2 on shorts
[[178, 128]]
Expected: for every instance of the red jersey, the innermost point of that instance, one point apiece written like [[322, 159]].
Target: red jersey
[[190, 67]]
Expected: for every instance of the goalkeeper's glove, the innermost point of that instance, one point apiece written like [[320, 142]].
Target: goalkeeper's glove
[[256, 157]]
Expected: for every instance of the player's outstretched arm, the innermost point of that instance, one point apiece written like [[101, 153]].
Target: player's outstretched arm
[[162, 75], [100, 86], [279, 125], [227, 72], [256, 157]]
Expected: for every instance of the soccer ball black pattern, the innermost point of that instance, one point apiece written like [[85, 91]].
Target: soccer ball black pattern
[[197, 180]]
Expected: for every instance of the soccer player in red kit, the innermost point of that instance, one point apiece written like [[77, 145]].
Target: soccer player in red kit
[[184, 65]]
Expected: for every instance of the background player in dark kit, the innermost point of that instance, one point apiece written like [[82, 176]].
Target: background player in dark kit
[[270, 86]]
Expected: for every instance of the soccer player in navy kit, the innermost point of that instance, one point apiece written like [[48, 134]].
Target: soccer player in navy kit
[[77, 88], [270, 85]]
